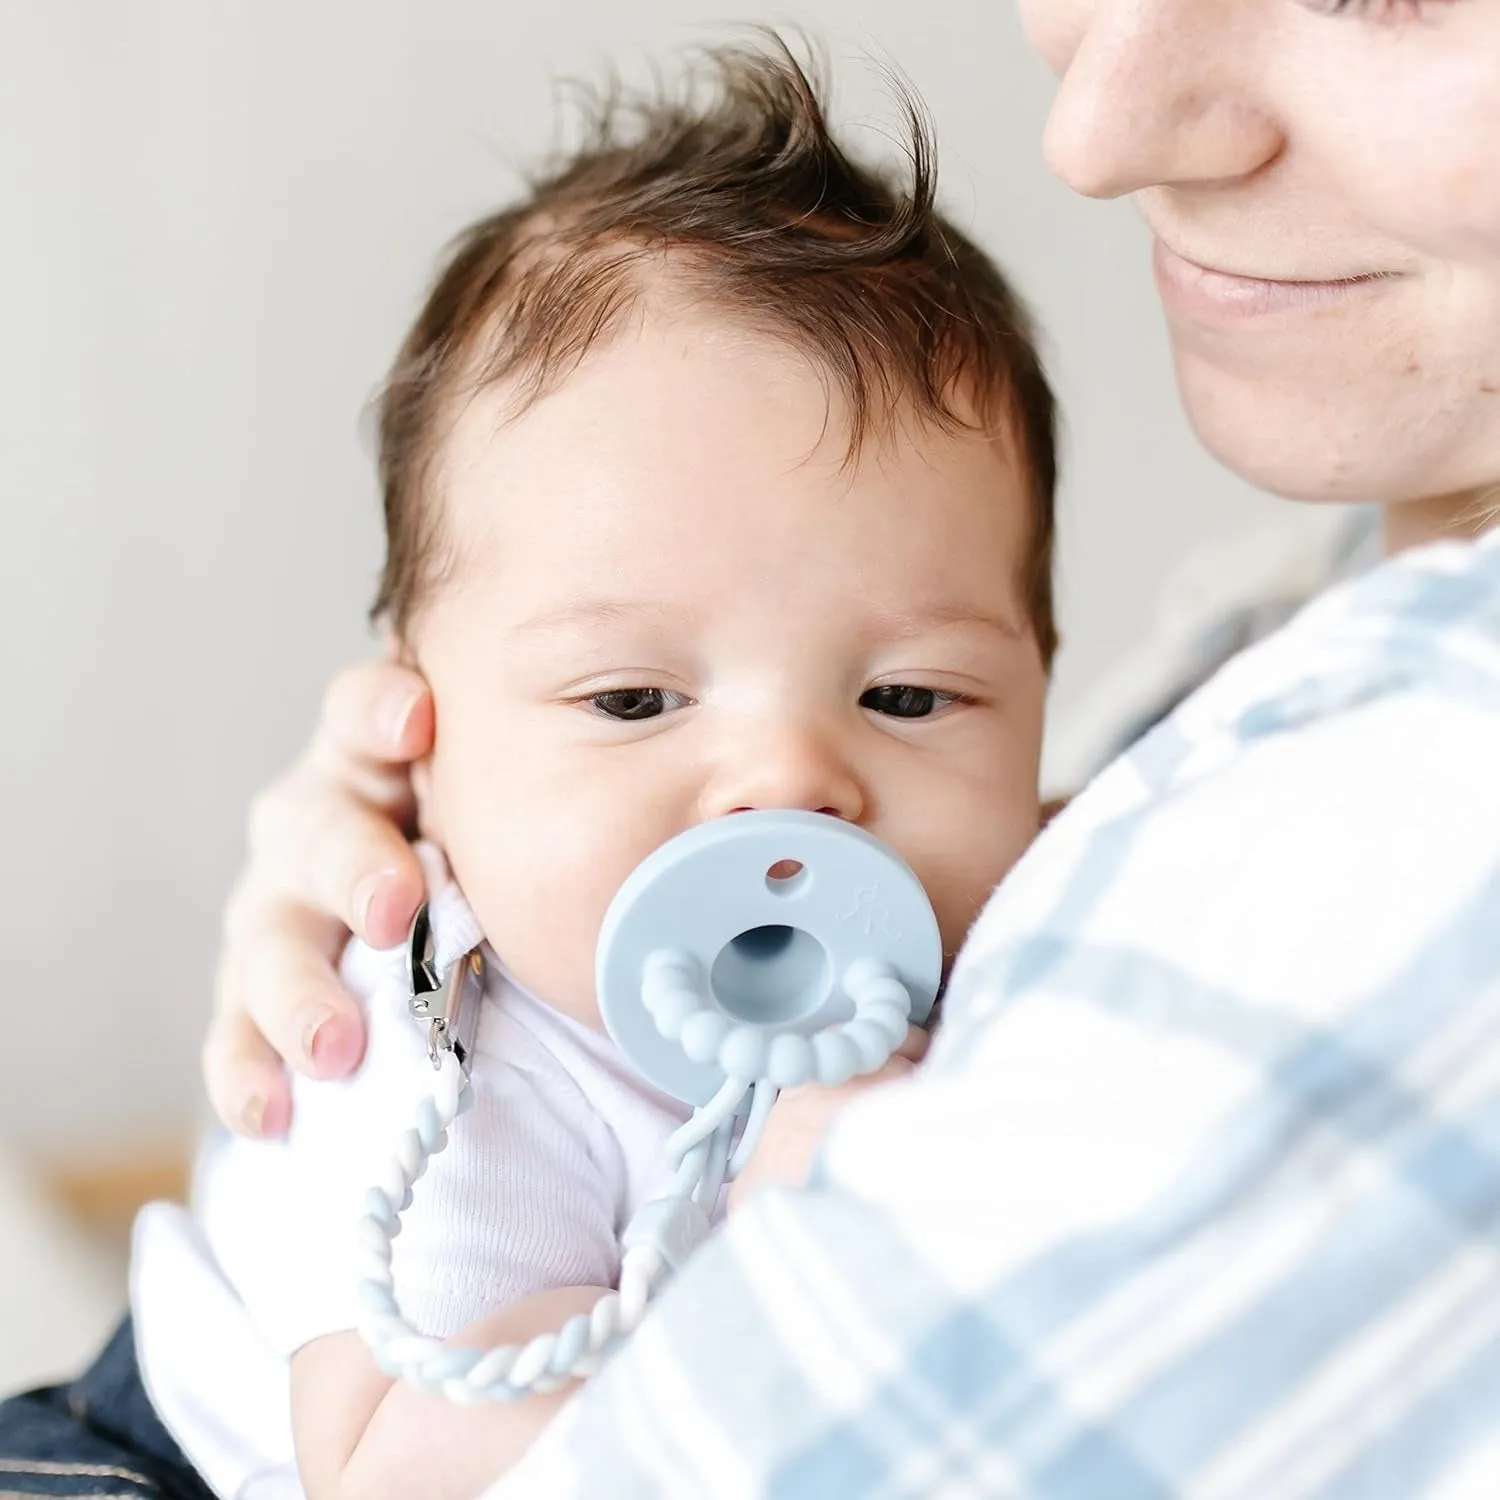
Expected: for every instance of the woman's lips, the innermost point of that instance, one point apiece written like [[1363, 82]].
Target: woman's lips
[[1222, 296]]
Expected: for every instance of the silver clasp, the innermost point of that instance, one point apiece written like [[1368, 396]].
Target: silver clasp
[[443, 1001]]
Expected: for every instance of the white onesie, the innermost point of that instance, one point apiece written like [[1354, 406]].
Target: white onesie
[[563, 1144]]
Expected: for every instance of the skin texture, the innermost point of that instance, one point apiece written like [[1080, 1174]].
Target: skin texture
[[676, 519], [1284, 142], [358, 1433], [670, 598], [1271, 138], [1324, 192]]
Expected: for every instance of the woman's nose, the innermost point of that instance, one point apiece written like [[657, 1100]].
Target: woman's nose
[[1161, 93], [789, 766]]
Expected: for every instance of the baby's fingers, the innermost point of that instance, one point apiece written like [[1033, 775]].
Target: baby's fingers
[[914, 1047], [288, 985], [314, 844], [247, 1083], [374, 713]]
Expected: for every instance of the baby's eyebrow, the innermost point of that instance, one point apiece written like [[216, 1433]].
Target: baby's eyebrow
[[940, 615], [586, 612], [919, 620]]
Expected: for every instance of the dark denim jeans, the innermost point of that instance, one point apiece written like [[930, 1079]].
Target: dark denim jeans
[[96, 1437]]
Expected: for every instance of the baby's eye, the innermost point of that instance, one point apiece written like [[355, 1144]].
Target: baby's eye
[[631, 705], [900, 701]]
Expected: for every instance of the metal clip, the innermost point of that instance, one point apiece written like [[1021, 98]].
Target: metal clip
[[442, 1001]]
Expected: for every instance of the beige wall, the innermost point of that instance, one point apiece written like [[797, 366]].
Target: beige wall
[[215, 219]]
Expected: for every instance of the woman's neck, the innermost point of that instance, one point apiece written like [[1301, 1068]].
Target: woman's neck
[[1467, 514]]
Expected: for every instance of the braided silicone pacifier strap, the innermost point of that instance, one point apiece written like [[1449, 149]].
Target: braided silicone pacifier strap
[[723, 984]]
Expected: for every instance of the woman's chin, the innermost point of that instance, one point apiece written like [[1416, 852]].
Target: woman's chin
[[1301, 441]]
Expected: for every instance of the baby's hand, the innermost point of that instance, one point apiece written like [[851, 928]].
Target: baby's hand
[[800, 1118]]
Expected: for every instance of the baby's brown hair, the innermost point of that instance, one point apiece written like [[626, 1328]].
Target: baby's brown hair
[[741, 194]]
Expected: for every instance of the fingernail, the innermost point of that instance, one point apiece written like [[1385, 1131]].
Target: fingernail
[[331, 1046], [253, 1114], [395, 713], [315, 1037], [364, 898]]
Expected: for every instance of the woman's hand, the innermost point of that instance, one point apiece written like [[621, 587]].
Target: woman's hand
[[328, 854], [800, 1118]]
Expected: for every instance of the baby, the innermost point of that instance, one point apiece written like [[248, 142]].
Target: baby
[[717, 475]]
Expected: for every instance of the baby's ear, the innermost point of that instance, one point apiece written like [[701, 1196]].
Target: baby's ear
[[429, 825], [400, 650]]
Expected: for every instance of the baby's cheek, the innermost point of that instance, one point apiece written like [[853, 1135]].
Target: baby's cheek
[[965, 885], [542, 917]]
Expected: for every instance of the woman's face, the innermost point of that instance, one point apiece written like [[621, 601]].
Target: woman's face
[[1323, 183]]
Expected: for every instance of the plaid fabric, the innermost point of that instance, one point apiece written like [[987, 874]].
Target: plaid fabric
[[1199, 1192]]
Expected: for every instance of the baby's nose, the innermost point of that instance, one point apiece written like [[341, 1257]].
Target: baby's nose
[[792, 768]]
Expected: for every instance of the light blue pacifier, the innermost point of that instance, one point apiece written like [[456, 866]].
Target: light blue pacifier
[[744, 948], [750, 954]]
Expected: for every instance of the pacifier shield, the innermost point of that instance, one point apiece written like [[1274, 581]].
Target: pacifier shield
[[769, 910]]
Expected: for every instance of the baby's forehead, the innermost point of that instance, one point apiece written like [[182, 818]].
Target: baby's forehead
[[737, 207], [689, 461], [560, 305], [668, 324], [683, 387]]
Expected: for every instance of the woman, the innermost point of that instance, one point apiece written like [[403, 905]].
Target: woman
[[1247, 980]]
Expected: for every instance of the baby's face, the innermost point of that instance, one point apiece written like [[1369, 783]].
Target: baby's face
[[671, 601]]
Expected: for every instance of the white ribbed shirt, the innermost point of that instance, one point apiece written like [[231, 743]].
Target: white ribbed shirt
[[564, 1142]]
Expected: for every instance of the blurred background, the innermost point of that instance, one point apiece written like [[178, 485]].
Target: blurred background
[[217, 221]]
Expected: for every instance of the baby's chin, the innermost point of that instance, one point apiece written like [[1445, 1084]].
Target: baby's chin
[[563, 994], [584, 1009]]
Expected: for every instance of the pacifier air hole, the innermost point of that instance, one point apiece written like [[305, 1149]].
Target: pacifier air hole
[[787, 877], [771, 975]]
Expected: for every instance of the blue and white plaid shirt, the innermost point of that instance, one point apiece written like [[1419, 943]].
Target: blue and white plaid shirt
[[1199, 1193]]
